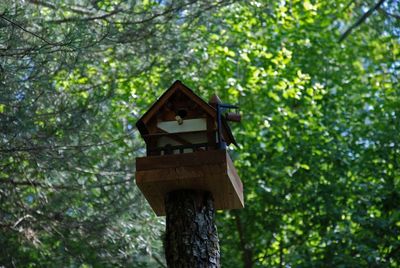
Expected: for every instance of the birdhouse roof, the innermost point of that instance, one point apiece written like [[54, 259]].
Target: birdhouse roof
[[161, 101]]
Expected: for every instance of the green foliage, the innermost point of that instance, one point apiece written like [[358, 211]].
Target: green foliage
[[319, 139]]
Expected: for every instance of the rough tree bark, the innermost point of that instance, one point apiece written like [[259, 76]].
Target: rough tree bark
[[191, 238]]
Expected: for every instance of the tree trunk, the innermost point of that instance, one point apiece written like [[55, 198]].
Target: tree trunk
[[247, 252], [191, 239]]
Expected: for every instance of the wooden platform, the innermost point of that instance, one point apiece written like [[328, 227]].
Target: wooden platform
[[207, 170]]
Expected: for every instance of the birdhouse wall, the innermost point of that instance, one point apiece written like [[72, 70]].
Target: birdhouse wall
[[181, 122], [172, 131], [211, 171]]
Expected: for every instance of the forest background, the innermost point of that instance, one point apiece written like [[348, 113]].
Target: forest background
[[317, 82]]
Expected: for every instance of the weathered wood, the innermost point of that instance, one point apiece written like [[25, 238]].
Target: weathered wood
[[211, 171], [191, 238]]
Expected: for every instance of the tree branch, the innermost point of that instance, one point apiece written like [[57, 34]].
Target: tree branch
[[61, 187], [159, 261], [43, 3], [75, 18], [25, 30], [247, 254], [75, 9], [64, 147], [396, 16], [360, 20]]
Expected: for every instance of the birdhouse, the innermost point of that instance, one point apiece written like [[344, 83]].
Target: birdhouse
[[186, 141]]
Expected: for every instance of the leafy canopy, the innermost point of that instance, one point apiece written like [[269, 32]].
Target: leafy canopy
[[319, 139]]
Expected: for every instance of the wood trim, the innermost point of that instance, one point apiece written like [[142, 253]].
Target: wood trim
[[177, 85], [157, 105], [176, 160], [199, 101]]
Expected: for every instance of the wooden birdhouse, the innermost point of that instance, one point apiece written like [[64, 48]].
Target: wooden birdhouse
[[186, 141]]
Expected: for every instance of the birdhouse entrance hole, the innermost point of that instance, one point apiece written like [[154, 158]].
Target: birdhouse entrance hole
[[182, 113]]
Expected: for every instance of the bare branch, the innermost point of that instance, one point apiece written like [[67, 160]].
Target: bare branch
[[360, 20], [161, 263], [25, 30], [43, 3], [64, 147], [75, 9], [114, 12], [75, 18], [61, 187], [21, 219]]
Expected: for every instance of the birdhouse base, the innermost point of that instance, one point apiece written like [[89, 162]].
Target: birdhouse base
[[211, 171]]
